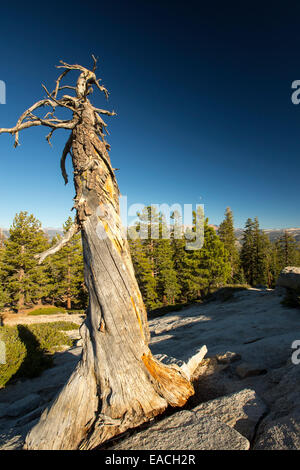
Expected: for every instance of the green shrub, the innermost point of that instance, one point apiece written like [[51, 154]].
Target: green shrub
[[63, 325], [48, 311], [15, 353], [29, 348], [49, 337], [36, 359], [76, 312]]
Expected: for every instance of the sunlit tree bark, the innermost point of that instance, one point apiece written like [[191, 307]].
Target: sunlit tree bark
[[117, 384]]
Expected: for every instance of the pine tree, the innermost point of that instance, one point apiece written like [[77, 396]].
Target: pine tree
[[190, 279], [143, 272], [207, 267], [227, 236], [2, 239], [268, 261], [148, 228], [247, 252], [255, 254], [143, 238], [287, 251], [4, 297], [260, 266], [178, 244], [66, 271], [215, 265], [24, 280], [152, 255], [167, 284]]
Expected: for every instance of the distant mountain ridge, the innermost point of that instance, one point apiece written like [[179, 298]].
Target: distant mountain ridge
[[50, 232], [273, 233]]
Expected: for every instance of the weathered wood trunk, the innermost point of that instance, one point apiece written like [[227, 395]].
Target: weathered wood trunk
[[117, 383]]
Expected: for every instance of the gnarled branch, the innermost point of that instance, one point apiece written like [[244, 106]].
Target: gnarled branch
[[27, 113], [37, 121], [72, 67], [95, 59], [62, 242], [54, 93], [104, 111], [61, 102], [66, 150]]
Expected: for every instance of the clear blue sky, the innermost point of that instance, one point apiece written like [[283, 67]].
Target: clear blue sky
[[203, 96]]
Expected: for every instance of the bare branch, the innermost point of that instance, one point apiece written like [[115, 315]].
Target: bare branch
[[15, 130], [87, 76], [28, 111], [67, 86], [62, 242], [50, 113], [66, 150], [58, 82], [104, 111], [32, 120], [48, 137], [60, 124], [100, 121], [60, 103], [70, 98], [189, 368], [71, 67], [89, 90], [39, 122], [95, 59], [102, 88]]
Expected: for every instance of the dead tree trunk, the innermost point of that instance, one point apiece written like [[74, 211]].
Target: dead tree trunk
[[117, 384]]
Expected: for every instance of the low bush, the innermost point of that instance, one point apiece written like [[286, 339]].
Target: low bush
[[48, 311], [37, 356], [49, 337], [64, 325], [76, 312], [15, 353], [29, 348]]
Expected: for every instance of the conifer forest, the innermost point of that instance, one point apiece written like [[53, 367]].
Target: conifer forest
[[166, 272]]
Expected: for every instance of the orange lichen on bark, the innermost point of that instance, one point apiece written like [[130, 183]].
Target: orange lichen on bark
[[115, 241], [169, 381], [117, 244], [109, 187]]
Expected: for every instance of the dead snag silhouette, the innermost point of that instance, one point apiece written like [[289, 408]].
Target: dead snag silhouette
[[117, 383]]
